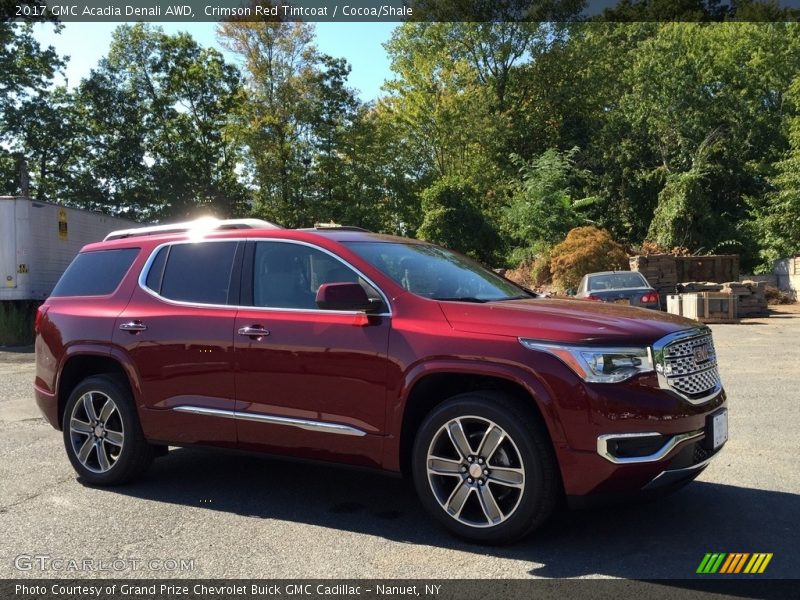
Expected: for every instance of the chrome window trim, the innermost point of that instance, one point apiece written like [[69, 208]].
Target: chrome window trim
[[669, 445], [149, 263], [658, 360], [307, 424]]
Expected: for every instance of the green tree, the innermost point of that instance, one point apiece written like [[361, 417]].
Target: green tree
[[273, 121], [26, 71], [186, 94], [776, 216], [683, 214], [439, 105], [453, 219], [545, 204]]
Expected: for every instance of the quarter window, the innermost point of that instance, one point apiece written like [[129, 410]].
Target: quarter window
[[95, 273]]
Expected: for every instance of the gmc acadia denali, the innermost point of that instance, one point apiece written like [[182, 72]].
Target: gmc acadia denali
[[342, 345]]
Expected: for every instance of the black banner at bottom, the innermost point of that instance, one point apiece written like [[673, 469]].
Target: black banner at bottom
[[376, 589]]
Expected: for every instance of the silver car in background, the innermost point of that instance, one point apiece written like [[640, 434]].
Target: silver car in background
[[618, 287]]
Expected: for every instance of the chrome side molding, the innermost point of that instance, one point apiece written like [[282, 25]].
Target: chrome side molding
[[309, 425], [603, 440]]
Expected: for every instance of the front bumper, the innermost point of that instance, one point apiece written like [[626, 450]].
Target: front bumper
[[681, 453]]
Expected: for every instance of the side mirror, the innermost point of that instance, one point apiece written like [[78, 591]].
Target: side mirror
[[343, 296]]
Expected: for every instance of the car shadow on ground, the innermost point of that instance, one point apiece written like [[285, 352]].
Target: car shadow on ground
[[666, 538]]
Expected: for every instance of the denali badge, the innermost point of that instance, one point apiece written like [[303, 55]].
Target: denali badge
[[701, 353]]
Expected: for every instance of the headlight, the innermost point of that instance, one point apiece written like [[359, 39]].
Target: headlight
[[598, 365]]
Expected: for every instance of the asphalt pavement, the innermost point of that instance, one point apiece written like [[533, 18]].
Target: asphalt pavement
[[200, 513]]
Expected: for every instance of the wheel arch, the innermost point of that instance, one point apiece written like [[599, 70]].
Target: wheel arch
[[433, 386], [83, 363]]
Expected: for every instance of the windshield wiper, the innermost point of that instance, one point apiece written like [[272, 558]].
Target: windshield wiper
[[462, 299], [520, 297]]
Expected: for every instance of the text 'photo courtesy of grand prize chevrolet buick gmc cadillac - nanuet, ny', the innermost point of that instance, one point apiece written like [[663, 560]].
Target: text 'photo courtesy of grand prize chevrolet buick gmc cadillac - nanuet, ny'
[[346, 346]]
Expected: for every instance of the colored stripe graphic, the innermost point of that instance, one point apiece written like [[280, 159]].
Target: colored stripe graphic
[[727, 564], [734, 562], [758, 563], [711, 562]]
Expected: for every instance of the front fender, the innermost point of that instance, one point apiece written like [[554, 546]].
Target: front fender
[[536, 388]]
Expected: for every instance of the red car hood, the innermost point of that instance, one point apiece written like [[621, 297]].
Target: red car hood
[[571, 321]]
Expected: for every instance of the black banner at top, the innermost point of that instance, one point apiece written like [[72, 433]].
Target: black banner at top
[[497, 11]]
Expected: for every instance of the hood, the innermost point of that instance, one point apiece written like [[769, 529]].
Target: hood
[[568, 321]]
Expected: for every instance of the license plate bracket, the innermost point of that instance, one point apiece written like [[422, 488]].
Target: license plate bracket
[[717, 429]]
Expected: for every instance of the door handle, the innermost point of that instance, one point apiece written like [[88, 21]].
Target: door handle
[[133, 327], [256, 331]]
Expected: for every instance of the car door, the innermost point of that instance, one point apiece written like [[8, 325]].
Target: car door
[[178, 332], [309, 382]]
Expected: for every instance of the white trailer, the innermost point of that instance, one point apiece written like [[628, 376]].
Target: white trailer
[[38, 240]]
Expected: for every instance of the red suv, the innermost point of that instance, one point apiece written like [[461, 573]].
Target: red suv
[[347, 346]]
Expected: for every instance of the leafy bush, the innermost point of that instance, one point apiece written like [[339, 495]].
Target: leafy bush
[[545, 203], [683, 215], [533, 273], [452, 218], [585, 250], [648, 248], [16, 322]]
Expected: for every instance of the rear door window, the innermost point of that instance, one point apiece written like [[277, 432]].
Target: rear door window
[[200, 273], [95, 273]]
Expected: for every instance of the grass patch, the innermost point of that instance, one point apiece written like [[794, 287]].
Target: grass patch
[[16, 322]]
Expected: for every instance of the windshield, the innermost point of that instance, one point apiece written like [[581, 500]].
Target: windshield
[[616, 281], [436, 273]]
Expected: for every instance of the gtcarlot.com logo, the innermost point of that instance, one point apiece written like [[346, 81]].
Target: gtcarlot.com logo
[[45, 562], [734, 562]]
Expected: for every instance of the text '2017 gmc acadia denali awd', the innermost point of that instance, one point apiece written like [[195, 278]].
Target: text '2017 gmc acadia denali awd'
[[347, 346]]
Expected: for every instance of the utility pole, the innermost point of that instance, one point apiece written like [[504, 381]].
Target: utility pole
[[24, 176]]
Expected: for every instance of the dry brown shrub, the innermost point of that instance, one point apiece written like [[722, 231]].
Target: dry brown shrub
[[650, 248], [533, 274], [585, 250], [776, 296]]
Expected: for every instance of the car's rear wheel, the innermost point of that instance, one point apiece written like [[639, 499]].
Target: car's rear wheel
[[102, 435], [485, 468]]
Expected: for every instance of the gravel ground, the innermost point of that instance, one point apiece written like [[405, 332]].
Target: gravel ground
[[246, 516]]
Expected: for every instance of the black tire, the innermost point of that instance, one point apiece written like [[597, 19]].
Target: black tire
[[527, 505], [124, 461]]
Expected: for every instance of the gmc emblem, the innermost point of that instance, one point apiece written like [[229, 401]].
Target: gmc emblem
[[701, 353]]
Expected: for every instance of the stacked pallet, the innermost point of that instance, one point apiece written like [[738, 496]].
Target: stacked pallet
[[691, 287], [660, 272], [751, 299], [706, 307]]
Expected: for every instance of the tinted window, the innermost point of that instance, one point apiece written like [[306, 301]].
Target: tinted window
[[95, 273], [199, 272], [289, 275], [156, 273], [616, 281], [436, 273]]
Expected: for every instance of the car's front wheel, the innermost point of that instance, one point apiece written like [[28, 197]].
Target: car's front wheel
[[102, 435], [485, 468]]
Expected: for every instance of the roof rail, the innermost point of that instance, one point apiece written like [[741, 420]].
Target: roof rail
[[201, 226], [334, 227]]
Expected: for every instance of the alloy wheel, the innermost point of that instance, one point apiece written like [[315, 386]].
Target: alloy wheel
[[96, 431], [475, 471]]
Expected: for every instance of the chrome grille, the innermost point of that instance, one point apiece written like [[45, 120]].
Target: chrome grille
[[687, 363]]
